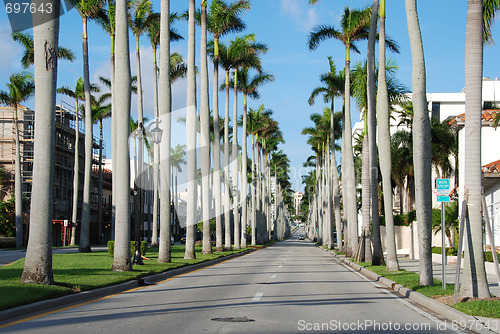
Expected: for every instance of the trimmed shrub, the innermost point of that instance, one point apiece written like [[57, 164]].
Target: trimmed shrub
[[144, 247]]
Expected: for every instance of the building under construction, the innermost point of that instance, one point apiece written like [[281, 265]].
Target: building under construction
[[63, 170]]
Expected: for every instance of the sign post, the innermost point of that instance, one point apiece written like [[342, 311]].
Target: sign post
[[65, 222], [443, 196]]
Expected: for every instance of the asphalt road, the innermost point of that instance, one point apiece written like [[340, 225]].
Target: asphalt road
[[291, 287]]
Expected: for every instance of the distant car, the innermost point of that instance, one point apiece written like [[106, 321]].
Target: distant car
[[183, 239], [172, 240], [301, 237]]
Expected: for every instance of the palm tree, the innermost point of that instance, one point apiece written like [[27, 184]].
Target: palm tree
[[191, 136], [88, 9], [38, 263], [26, 40], [21, 87], [165, 107], [100, 111], [334, 86], [205, 134], [254, 125], [248, 86], [79, 95], [421, 146], [177, 159], [154, 25], [244, 53], [121, 261], [474, 283], [223, 19], [354, 25]]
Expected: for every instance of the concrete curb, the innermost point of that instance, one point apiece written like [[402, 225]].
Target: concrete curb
[[457, 317], [43, 306]]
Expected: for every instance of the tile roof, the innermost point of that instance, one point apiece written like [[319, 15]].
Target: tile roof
[[492, 167], [488, 116]]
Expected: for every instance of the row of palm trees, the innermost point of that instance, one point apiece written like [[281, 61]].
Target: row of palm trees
[[374, 97], [239, 58]]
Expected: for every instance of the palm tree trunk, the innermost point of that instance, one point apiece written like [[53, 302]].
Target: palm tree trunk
[[236, 213], [377, 256], [121, 261], [421, 146], [156, 157], [205, 134], [38, 263], [191, 137], [18, 186], [99, 195], [216, 153], [244, 180], [254, 196], [227, 201], [474, 283], [366, 251], [84, 246], [165, 101], [384, 147], [349, 177], [76, 176], [258, 197], [113, 138]]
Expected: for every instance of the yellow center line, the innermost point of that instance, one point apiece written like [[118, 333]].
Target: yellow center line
[[106, 297]]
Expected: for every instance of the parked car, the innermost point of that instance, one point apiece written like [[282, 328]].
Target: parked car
[[183, 239], [301, 237]]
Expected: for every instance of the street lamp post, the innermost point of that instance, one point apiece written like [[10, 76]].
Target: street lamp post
[[140, 133]]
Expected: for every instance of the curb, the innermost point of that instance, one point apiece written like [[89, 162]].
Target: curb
[[44, 306], [479, 325]]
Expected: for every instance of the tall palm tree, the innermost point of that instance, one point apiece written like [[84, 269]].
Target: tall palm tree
[[26, 40], [138, 20], [21, 87], [165, 108], [154, 26], [474, 282], [254, 125], [223, 19], [334, 87], [38, 263], [244, 53], [421, 146], [100, 111], [88, 9], [205, 134], [79, 95], [354, 25], [191, 136], [377, 256], [248, 86], [121, 260]]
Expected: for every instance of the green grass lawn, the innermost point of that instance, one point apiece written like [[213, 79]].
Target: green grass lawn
[[408, 279], [77, 272]]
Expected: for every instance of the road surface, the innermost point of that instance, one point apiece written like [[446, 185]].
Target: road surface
[[291, 287]]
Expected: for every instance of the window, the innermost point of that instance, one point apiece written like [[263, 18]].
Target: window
[[436, 110]]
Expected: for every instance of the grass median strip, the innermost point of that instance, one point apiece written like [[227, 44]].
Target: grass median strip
[[408, 279], [77, 272]]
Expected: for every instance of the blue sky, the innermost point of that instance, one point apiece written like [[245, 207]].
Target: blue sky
[[284, 26]]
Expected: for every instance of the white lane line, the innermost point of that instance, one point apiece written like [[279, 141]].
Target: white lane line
[[257, 296], [280, 266], [273, 276]]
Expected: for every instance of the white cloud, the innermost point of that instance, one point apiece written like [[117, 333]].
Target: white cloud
[[305, 18]]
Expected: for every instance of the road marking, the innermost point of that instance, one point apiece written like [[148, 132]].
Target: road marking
[[280, 266], [273, 276], [257, 296]]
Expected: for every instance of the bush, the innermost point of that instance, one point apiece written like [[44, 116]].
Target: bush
[[488, 257], [404, 219], [449, 251], [111, 247]]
